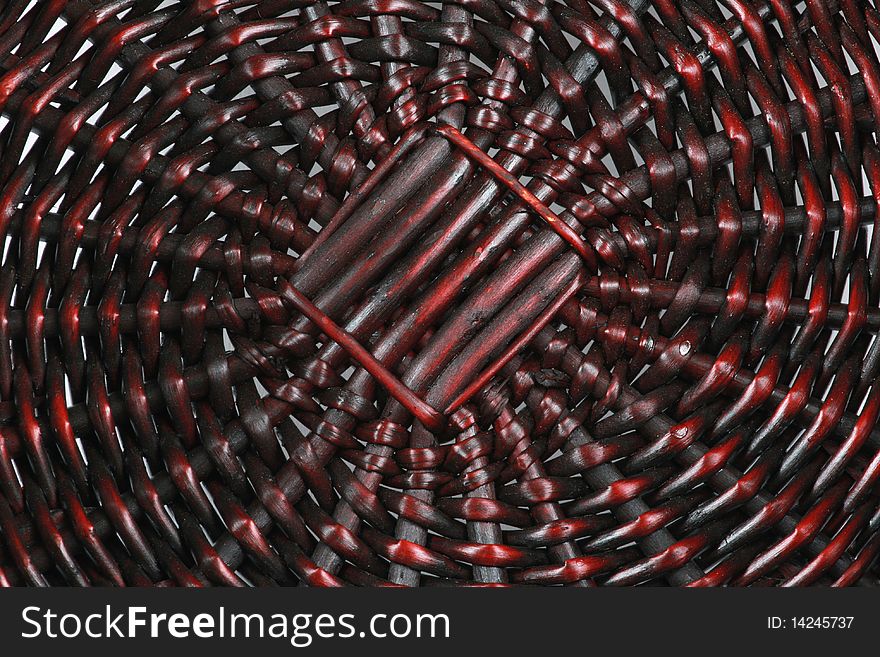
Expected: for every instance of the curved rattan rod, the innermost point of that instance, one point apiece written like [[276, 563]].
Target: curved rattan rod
[[299, 123], [699, 365], [83, 137], [661, 424], [718, 148], [712, 299], [266, 161], [213, 258], [602, 477], [232, 205], [198, 457]]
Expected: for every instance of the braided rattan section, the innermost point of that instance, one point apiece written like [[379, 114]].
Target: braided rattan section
[[386, 292]]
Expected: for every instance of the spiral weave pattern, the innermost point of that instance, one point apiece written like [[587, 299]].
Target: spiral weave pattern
[[388, 292]]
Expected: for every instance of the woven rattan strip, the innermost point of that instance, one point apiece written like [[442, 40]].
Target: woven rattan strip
[[482, 292]]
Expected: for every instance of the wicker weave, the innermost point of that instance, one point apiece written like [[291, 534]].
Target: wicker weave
[[479, 292]]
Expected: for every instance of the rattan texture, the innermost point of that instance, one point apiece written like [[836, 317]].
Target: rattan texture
[[386, 292]]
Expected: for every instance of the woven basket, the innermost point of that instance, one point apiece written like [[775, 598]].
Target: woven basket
[[387, 292]]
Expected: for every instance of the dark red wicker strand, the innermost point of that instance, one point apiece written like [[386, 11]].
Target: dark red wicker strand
[[387, 292]]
